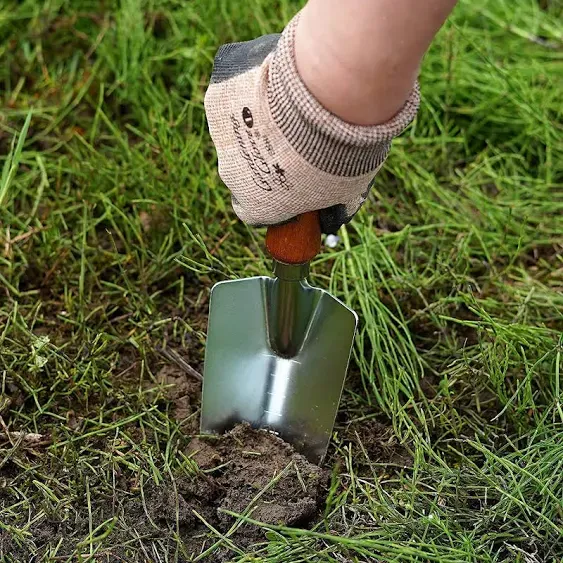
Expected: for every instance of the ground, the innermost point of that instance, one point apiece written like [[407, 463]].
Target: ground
[[114, 225]]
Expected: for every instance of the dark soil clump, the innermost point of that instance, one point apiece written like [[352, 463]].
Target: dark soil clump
[[255, 472]]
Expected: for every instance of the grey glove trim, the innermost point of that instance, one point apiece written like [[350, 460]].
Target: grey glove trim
[[332, 218], [237, 58]]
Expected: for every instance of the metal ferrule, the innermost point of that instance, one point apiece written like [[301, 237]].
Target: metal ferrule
[[290, 308], [291, 272]]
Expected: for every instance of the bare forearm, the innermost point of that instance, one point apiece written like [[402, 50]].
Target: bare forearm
[[360, 58]]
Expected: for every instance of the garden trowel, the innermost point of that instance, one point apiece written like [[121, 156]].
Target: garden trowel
[[277, 348]]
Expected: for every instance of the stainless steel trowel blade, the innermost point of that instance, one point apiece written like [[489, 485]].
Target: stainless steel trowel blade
[[295, 394]]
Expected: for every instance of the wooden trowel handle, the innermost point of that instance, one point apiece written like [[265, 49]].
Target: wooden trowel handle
[[296, 242]]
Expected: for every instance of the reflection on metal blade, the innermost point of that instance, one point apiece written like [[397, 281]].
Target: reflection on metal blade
[[277, 354]]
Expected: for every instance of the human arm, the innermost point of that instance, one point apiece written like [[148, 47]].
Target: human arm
[[298, 127], [360, 58]]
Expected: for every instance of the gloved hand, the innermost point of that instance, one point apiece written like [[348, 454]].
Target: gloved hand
[[280, 152]]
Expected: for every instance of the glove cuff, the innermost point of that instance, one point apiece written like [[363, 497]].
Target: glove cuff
[[320, 137]]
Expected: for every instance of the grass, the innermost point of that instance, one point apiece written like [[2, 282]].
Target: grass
[[114, 225]]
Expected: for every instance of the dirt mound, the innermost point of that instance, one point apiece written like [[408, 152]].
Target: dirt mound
[[257, 471], [246, 471], [242, 464]]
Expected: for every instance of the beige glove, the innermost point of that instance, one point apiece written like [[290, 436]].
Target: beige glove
[[280, 152]]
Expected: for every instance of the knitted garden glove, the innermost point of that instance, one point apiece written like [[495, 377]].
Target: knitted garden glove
[[280, 152]]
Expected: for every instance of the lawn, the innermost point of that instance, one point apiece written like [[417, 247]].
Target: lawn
[[114, 225]]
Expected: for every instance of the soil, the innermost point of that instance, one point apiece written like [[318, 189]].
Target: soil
[[246, 471], [184, 394], [256, 470], [376, 443]]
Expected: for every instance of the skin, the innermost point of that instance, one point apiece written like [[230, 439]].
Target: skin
[[360, 58]]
